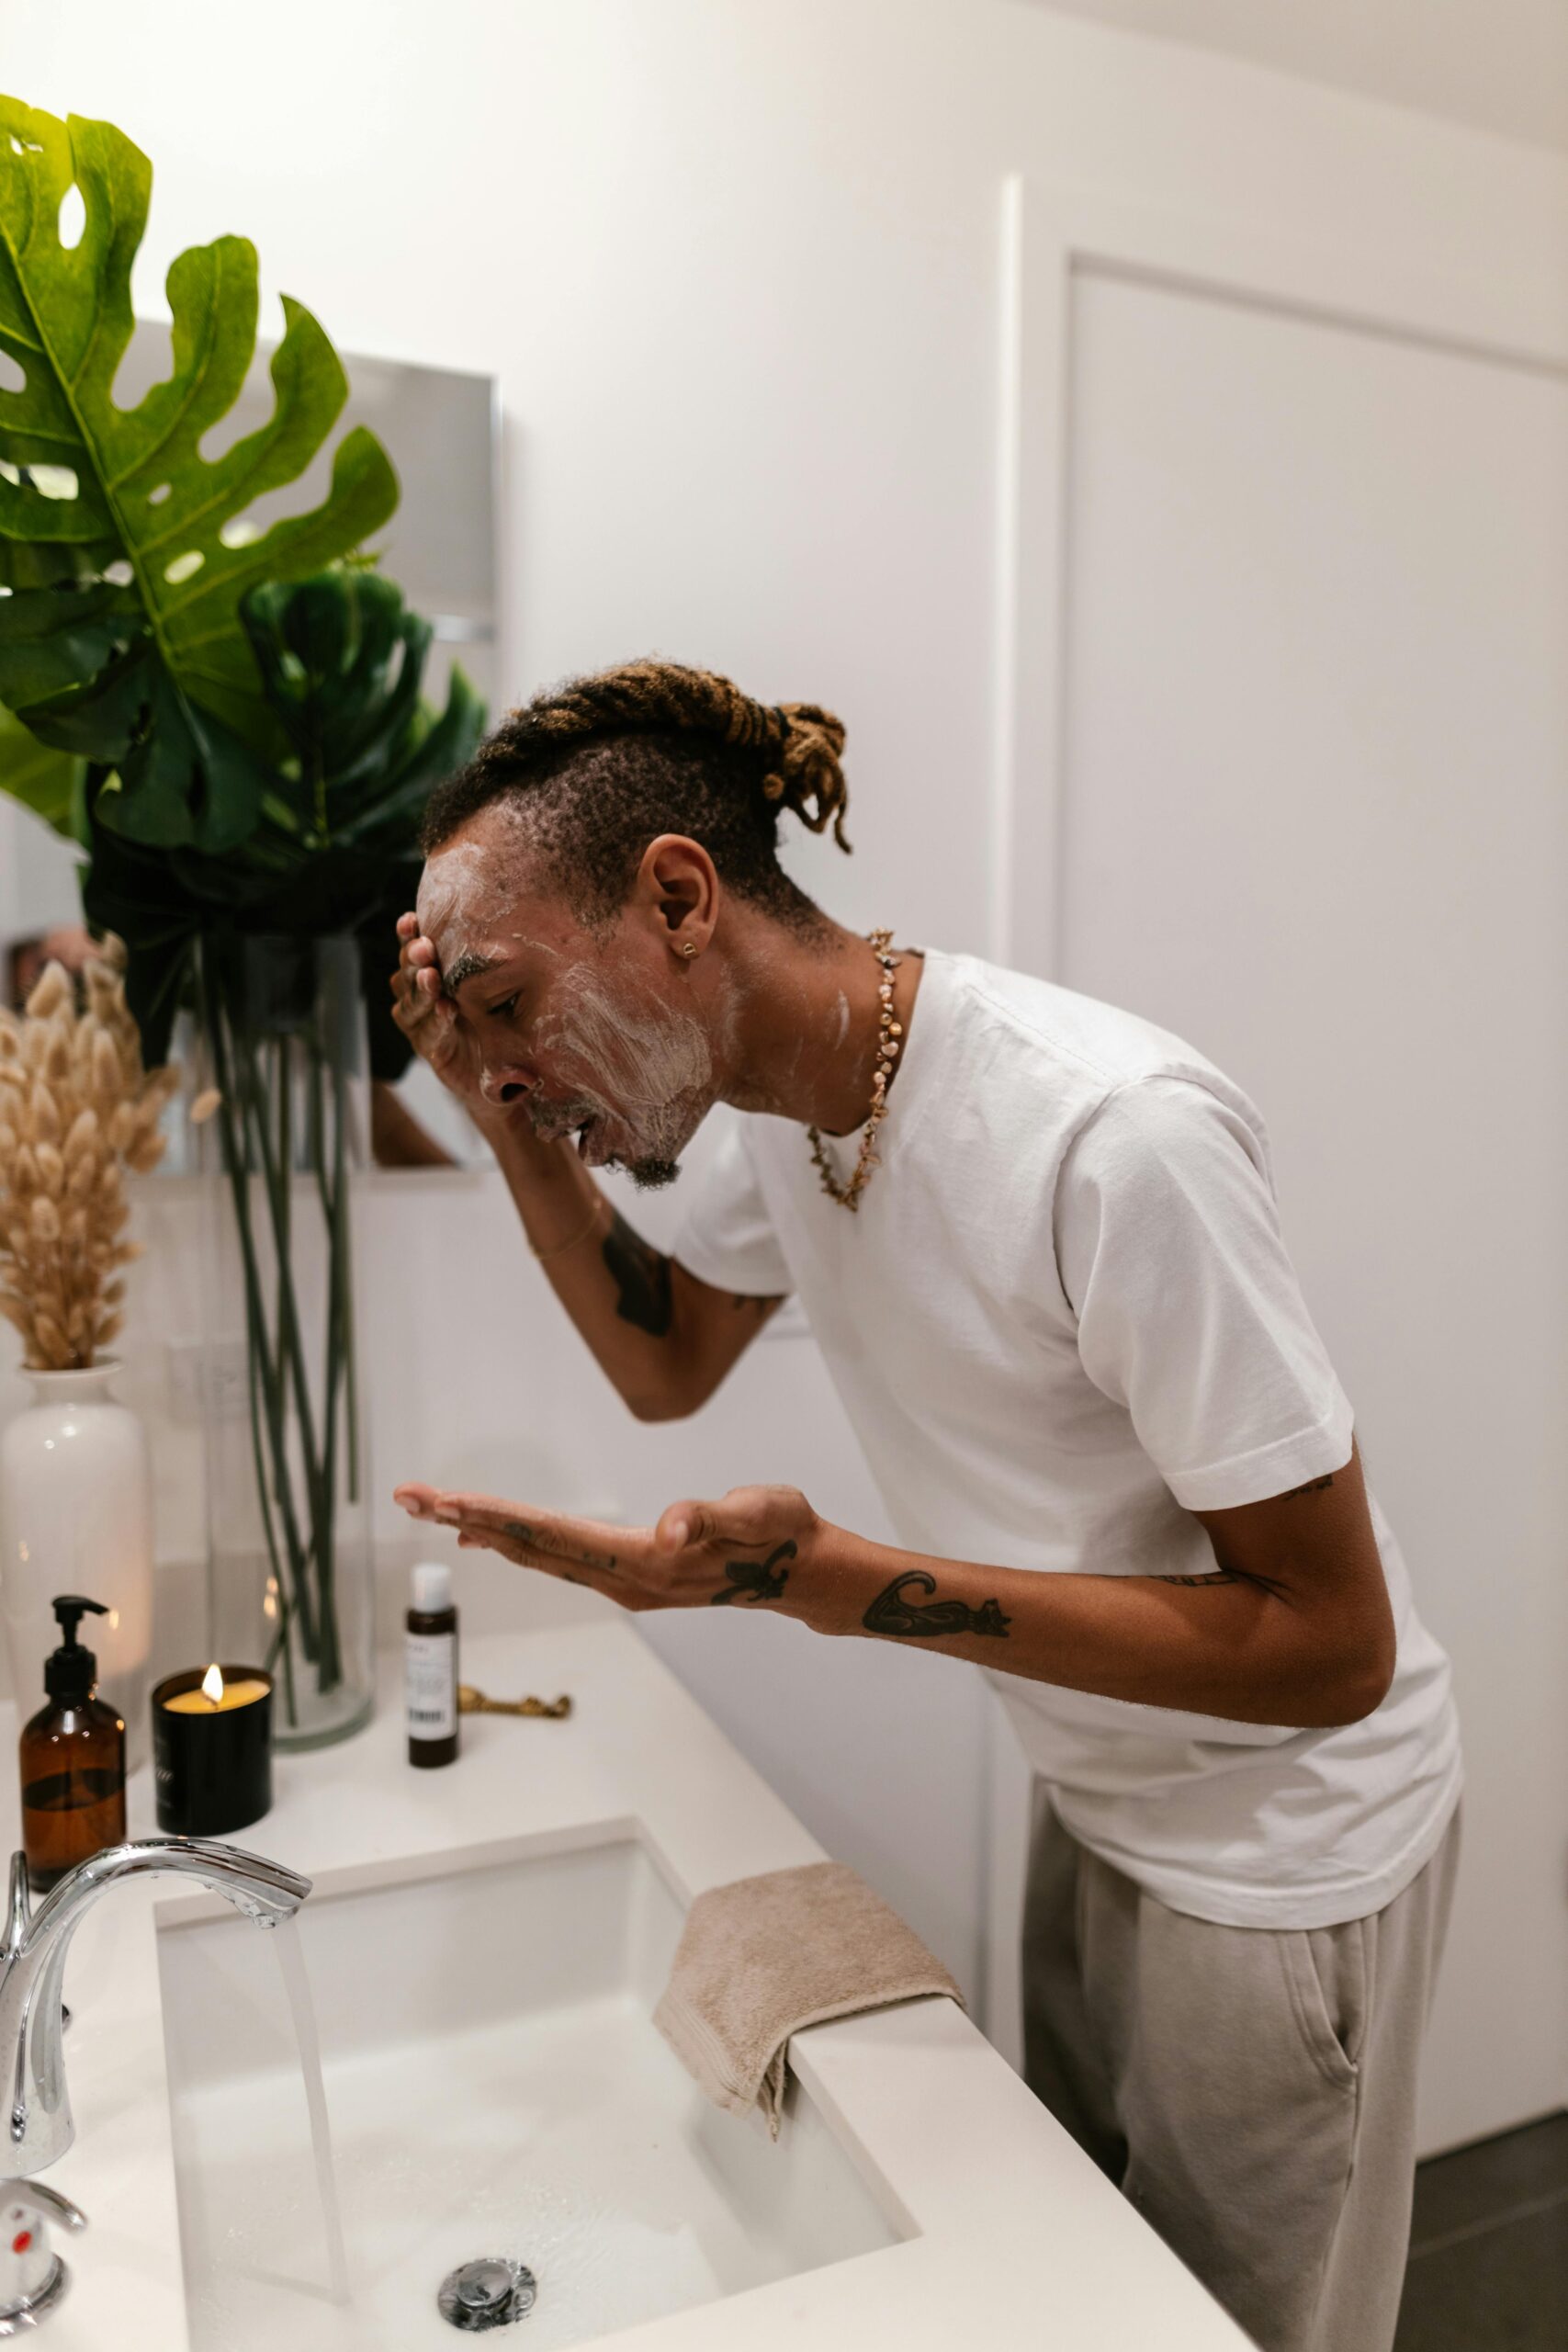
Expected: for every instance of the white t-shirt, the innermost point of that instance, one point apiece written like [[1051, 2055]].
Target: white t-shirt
[[1062, 1320]]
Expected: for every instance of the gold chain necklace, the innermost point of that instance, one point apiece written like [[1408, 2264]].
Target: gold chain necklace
[[889, 1033]]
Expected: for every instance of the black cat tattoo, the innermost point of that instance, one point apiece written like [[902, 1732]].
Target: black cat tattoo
[[891, 1614]]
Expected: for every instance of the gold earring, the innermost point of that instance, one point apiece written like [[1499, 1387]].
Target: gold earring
[[688, 948]]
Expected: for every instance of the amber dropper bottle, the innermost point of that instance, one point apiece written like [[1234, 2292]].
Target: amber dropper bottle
[[73, 1760]]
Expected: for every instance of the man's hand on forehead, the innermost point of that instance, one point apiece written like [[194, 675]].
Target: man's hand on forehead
[[424, 955], [425, 1013], [418, 955]]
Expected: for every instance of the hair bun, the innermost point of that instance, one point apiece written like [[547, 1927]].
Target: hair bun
[[809, 778]]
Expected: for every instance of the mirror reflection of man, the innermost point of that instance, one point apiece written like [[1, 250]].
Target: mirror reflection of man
[[1037, 1241]]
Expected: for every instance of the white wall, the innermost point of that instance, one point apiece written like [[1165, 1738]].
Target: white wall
[[1500, 65], [735, 262]]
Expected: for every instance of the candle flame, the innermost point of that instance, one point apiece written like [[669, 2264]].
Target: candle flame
[[212, 1685]]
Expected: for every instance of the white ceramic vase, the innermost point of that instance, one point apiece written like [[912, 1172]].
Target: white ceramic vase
[[77, 1516]]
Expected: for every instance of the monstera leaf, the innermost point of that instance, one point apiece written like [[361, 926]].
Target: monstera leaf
[[83, 671], [231, 721], [47, 781], [94, 493]]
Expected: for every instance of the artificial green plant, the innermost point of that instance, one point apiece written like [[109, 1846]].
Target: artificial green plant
[[228, 720]]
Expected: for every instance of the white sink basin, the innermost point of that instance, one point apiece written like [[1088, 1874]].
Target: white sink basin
[[496, 2087]]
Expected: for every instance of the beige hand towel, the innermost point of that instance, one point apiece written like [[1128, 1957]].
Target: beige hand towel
[[762, 1957]]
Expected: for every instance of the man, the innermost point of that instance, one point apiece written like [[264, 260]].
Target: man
[[1050, 1286]]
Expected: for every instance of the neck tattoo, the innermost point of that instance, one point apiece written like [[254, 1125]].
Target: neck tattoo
[[888, 1038]]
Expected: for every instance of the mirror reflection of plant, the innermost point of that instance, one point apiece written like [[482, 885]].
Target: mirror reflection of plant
[[332, 848], [230, 722]]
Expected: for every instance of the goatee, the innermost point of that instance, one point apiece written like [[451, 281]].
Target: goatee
[[650, 1175]]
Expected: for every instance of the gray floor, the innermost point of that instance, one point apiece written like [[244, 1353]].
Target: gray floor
[[1489, 2247]]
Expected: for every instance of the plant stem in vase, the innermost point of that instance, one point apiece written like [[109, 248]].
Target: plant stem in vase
[[290, 1539]]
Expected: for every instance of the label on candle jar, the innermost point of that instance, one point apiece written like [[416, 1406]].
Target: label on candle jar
[[431, 1685]]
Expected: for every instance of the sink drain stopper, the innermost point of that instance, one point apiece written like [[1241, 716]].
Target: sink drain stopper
[[490, 2293]]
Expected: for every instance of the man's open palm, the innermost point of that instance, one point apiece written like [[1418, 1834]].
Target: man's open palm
[[740, 1550]]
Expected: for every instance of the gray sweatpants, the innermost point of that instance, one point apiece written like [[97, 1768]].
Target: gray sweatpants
[[1251, 2090]]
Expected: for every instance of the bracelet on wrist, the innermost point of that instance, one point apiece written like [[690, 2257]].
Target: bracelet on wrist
[[572, 1239]]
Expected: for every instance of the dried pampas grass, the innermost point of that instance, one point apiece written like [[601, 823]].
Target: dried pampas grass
[[76, 1109]]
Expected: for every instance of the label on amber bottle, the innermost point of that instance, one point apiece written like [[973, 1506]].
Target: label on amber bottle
[[431, 1685]]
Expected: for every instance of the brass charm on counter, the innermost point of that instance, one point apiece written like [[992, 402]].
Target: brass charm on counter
[[476, 1703]]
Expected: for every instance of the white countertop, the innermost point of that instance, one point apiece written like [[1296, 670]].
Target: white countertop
[[1022, 2241]]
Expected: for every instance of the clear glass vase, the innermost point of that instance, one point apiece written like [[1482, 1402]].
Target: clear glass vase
[[290, 1568]]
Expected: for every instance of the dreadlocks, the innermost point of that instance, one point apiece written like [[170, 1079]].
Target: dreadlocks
[[600, 766]]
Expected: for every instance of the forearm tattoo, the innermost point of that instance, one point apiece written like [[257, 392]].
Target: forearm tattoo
[[755, 1579], [642, 1276], [1215, 1576], [891, 1614]]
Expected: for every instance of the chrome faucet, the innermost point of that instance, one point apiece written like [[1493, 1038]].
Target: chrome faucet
[[32, 1964], [34, 2279]]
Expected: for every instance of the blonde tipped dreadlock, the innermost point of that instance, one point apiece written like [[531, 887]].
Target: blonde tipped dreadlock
[[606, 763], [810, 769]]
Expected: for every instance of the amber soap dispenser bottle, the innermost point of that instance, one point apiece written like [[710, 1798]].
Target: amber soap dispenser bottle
[[73, 1759]]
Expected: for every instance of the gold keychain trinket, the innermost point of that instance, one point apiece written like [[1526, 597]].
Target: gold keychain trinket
[[476, 1702]]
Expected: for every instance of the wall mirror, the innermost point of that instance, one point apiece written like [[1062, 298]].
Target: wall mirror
[[441, 429]]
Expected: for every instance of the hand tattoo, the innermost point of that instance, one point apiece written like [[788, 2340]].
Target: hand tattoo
[[891, 1614], [755, 1580], [642, 1273], [519, 1533]]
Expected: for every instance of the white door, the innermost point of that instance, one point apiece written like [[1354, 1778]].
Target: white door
[[1310, 779]]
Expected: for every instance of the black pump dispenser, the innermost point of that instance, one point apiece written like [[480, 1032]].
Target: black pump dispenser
[[70, 1671], [73, 1759]]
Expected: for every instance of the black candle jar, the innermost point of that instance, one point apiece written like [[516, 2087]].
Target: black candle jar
[[212, 1768]]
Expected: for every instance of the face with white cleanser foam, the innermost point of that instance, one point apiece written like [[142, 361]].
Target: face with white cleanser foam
[[611, 1034]]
